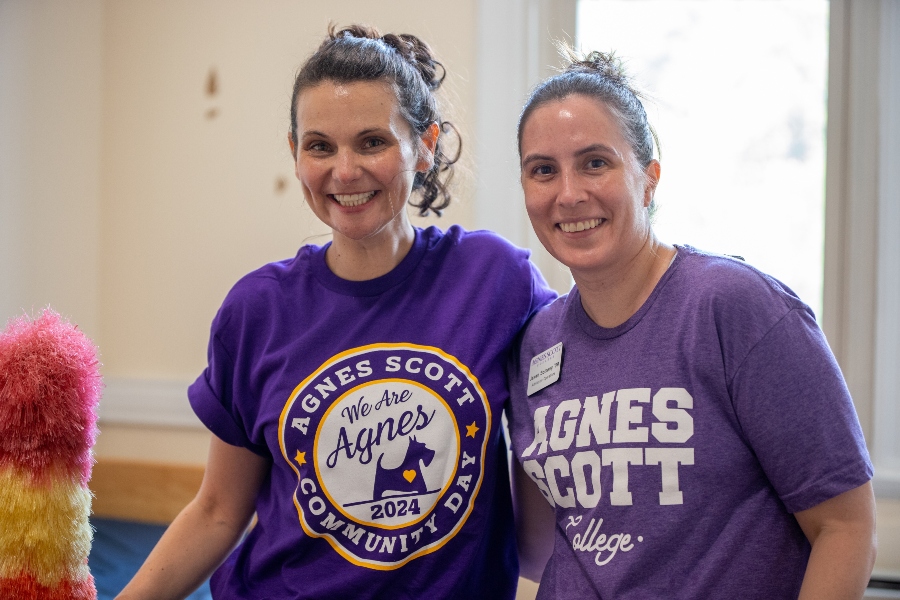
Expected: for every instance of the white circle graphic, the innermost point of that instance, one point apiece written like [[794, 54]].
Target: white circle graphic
[[375, 452]]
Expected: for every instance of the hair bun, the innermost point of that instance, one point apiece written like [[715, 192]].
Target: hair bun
[[607, 65], [417, 53], [353, 31], [414, 50]]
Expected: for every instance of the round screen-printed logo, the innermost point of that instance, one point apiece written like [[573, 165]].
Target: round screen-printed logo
[[387, 442]]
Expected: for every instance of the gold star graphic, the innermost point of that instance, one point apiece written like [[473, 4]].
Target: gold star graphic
[[471, 429], [300, 458]]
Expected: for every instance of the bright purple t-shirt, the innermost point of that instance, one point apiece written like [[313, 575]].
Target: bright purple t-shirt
[[379, 405], [676, 446]]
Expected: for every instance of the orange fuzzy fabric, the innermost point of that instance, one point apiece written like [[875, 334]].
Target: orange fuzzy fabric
[[26, 587]]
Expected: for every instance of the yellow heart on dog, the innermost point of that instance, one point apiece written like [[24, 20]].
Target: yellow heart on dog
[[409, 475]]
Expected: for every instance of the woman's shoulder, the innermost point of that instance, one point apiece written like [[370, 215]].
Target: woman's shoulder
[[478, 240], [264, 288], [548, 320], [743, 304], [542, 331], [479, 251], [274, 273], [733, 282]]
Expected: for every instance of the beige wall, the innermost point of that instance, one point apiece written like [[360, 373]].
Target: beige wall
[[191, 203], [131, 210], [50, 145]]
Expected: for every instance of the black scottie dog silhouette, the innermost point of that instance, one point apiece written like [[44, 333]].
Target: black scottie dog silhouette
[[407, 478]]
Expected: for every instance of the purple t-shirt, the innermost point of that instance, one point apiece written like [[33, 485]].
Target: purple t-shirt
[[675, 446], [379, 404]]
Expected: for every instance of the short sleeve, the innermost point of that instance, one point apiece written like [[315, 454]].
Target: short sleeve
[[796, 412], [212, 396]]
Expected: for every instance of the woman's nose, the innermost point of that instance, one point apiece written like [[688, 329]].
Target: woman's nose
[[346, 168], [569, 191]]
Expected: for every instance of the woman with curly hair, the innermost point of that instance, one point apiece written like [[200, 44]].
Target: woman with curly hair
[[355, 391]]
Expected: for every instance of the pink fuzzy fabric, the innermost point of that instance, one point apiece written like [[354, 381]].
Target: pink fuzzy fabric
[[49, 389]]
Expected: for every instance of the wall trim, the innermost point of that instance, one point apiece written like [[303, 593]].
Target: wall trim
[[147, 402], [148, 492]]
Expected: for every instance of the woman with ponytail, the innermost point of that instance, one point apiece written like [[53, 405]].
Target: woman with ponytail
[[355, 390], [685, 426]]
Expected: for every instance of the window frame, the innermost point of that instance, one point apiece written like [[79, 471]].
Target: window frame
[[862, 221]]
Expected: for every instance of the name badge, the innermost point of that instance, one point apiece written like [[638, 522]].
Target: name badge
[[544, 369]]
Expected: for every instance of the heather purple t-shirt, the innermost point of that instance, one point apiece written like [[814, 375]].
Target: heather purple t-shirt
[[379, 404], [675, 446]]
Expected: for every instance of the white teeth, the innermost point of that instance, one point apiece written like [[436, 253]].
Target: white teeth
[[580, 225], [353, 199]]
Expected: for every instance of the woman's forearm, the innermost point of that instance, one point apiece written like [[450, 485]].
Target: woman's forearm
[[535, 525], [190, 550], [839, 567], [208, 528]]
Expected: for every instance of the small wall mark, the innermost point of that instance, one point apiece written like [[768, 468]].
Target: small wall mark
[[211, 89]]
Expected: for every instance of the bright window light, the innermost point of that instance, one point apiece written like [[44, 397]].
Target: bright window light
[[737, 94]]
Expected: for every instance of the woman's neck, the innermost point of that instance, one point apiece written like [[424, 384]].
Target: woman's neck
[[611, 296], [361, 260]]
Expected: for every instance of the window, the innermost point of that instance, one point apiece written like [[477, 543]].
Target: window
[[737, 94]]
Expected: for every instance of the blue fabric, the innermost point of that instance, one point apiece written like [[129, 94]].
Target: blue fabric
[[119, 550]]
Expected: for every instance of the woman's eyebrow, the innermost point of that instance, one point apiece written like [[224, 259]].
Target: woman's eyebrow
[[579, 152], [313, 133], [371, 130], [534, 157], [596, 148], [364, 132]]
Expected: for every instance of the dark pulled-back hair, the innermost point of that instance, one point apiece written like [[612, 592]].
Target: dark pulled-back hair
[[602, 77], [361, 53]]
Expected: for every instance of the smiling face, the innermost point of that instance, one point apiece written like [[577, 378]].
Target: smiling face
[[585, 193], [356, 158]]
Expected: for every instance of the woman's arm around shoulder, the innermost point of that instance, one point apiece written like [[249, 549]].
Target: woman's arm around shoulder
[[842, 534], [208, 528]]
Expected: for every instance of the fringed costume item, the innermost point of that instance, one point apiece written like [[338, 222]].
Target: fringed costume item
[[49, 388]]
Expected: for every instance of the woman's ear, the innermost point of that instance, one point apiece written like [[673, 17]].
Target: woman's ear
[[428, 140], [652, 173], [290, 137]]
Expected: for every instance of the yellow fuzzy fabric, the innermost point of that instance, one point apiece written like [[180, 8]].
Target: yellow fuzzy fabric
[[44, 528]]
